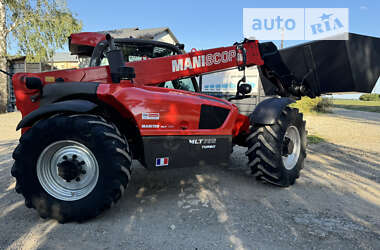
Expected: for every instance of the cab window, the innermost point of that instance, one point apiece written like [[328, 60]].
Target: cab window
[[182, 84], [133, 53]]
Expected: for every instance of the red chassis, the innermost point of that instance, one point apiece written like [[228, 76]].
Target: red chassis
[[179, 111]]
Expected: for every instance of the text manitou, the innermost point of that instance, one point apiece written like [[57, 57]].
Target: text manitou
[[203, 60]]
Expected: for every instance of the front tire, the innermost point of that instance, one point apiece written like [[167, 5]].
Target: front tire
[[71, 168], [277, 152]]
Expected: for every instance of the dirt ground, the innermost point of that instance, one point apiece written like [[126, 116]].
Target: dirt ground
[[334, 205]]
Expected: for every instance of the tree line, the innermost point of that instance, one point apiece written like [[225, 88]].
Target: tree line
[[35, 28]]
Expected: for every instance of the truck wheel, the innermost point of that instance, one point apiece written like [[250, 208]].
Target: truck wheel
[[276, 152], [71, 168]]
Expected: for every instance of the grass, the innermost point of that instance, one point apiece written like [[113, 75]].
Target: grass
[[313, 105], [314, 139], [370, 106]]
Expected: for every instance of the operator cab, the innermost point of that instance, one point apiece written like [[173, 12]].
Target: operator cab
[[137, 50], [133, 50]]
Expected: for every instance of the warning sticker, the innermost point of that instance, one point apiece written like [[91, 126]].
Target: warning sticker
[[150, 116]]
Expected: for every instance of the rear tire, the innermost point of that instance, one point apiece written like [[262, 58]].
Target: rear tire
[[101, 167], [276, 152]]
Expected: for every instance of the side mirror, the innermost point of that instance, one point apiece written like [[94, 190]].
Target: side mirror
[[244, 88]]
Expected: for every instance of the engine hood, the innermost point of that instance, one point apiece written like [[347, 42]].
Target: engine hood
[[216, 101]]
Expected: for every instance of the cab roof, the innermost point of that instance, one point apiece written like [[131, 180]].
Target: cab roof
[[83, 44]]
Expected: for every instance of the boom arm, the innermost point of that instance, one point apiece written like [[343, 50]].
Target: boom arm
[[157, 70], [240, 55], [310, 69]]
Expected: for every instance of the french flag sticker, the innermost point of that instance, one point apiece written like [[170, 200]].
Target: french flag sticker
[[162, 161]]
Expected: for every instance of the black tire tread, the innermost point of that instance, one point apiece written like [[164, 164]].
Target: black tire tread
[[264, 149], [118, 172]]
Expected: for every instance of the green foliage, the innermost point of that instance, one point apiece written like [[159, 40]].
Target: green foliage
[[309, 105], [39, 27], [324, 105], [314, 139], [370, 97]]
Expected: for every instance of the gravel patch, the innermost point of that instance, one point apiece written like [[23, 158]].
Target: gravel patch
[[334, 204]]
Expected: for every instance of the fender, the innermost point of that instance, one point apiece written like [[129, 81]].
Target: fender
[[267, 111], [56, 92], [71, 106]]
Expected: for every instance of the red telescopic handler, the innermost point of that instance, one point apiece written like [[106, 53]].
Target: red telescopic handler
[[140, 100]]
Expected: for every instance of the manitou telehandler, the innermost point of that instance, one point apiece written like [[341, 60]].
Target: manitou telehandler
[[140, 100]]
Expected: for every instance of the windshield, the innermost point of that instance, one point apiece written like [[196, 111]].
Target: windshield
[[137, 52], [183, 84]]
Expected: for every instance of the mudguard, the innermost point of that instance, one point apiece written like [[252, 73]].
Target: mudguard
[[267, 111], [330, 66], [72, 106], [56, 92]]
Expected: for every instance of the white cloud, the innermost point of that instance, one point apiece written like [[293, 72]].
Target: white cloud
[[363, 7]]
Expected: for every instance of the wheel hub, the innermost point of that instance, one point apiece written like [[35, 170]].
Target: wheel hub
[[71, 168], [67, 170], [288, 147], [291, 147]]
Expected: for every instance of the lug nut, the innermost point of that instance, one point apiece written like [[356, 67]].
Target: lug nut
[[74, 156], [82, 163], [64, 157], [83, 171], [77, 179]]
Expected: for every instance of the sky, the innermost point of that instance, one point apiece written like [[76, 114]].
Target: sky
[[208, 24]]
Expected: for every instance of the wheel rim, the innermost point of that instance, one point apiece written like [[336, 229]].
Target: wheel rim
[[292, 135], [56, 158]]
